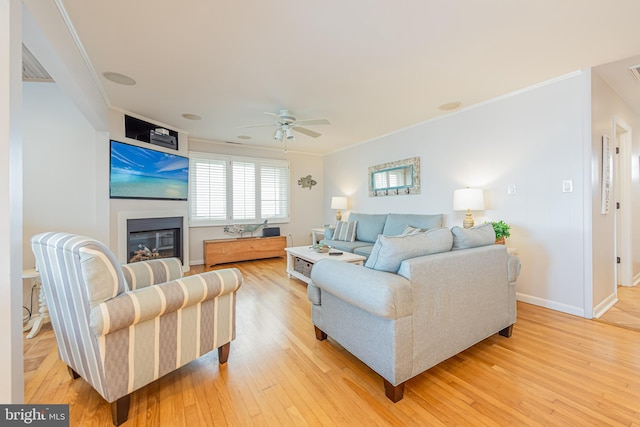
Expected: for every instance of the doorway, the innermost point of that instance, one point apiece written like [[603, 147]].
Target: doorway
[[622, 188]]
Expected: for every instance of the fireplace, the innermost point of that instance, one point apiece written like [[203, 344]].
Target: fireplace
[[150, 238]]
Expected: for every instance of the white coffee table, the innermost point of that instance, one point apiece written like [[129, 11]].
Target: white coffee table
[[305, 253]]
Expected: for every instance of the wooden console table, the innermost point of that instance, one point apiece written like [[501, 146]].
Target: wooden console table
[[243, 249]]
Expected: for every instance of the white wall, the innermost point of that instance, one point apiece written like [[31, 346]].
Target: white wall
[[306, 204], [606, 105], [63, 185], [534, 139], [59, 167], [11, 360]]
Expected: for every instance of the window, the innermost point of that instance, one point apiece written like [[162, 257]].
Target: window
[[226, 189]]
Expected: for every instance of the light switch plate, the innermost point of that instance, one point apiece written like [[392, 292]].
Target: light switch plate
[[567, 186], [512, 189]]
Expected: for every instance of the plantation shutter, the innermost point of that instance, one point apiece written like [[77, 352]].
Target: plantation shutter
[[274, 190], [244, 190], [208, 190], [228, 189]]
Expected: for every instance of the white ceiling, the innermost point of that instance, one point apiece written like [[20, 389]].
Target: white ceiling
[[370, 67]]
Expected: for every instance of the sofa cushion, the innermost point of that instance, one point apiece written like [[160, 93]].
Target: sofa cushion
[[396, 223], [389, 251], [369, 226], [364, 251], [345, 246], [345, 231], [480, 235]]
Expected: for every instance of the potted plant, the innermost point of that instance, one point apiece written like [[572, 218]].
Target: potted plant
[[502, 231]]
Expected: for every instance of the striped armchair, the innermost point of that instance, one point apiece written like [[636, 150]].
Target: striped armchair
[[121, 327]]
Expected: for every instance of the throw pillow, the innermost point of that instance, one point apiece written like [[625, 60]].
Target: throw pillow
[[389, 251], [409, 230], [328, 233], [345, 231], [465, 238]]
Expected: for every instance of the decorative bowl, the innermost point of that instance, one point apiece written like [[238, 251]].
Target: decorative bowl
[[323, 249]]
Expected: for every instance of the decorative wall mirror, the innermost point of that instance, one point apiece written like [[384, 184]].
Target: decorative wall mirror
[[395, 178]]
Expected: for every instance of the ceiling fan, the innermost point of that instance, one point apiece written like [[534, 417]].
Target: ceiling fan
[[286, 123]]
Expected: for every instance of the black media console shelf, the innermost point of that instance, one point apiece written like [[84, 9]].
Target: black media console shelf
[[147, 132]]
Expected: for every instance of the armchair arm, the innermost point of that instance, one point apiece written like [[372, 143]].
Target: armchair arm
[[146, 273], [131, 308], [378, 292]]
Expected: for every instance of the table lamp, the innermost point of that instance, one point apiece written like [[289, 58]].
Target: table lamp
[[338, 203], [468, 199]]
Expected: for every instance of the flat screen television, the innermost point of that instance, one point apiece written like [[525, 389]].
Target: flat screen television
[[142, 173]]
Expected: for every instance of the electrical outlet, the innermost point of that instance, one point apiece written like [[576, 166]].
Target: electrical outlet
[[511, 189], [567, 186]]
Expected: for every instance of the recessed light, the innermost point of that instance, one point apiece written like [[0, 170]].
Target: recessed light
[[190, 116], [244, 137], [121, 79], [450, 106]]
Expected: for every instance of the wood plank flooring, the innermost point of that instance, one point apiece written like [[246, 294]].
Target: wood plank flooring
[[626, 312], [556, 369]]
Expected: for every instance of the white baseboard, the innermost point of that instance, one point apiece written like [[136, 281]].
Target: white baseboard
[[553, 305], [604, 306], [196, 262]]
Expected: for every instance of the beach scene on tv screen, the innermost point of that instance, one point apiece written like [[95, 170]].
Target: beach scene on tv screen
[[148, 174]]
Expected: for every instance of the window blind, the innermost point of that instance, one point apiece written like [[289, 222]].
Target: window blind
[[274, 191], [207, 190], [229, 189]]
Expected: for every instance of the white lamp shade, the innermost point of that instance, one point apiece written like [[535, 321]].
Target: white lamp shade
[[338, 203], [468, 198]]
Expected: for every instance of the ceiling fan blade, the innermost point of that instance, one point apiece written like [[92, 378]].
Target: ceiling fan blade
[[313, 122], [307, 132], [257, 126]]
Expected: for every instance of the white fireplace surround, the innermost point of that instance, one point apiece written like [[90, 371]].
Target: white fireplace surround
[[123, 216]]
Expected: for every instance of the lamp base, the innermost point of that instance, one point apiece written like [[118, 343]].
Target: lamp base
[[468, 220], [338, 215]]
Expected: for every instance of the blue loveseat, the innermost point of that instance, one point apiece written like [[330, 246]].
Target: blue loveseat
[[369, 226]]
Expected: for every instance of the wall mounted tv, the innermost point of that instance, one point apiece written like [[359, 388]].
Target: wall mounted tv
[[142, 173]]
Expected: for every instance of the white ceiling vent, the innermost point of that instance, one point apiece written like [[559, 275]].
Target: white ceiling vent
[[635, 72], [32, 70]]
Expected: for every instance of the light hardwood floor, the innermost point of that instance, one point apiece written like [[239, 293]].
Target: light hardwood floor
[[556, 369], [626, 312]]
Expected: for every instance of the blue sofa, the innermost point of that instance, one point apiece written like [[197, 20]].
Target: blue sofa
[[369, 226]]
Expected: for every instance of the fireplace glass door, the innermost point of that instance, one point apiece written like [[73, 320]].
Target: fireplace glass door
[[151, 238]]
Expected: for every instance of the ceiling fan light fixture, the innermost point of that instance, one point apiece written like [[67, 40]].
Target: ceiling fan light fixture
[[289, 134], [278, 135]]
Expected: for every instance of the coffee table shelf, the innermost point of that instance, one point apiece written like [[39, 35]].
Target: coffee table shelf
[[309, 255]]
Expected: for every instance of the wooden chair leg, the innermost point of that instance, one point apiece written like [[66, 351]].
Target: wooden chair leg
[[120, 410], [320, 336], [394, 393], [223, 353], [73, 373], [506, 332]]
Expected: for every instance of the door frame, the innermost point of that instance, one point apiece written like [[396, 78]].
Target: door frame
[[622, 182]]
